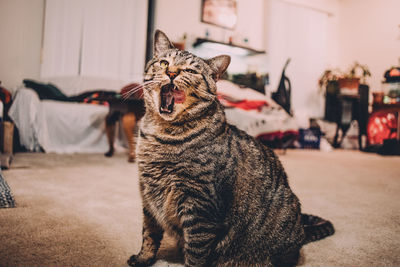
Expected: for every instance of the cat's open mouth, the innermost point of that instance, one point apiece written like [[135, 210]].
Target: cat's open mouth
[[170, 94]]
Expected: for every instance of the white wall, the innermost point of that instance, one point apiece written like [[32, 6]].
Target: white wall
[[328, 6], [370, 34], [179, 17], [176, 17], [21, 35]]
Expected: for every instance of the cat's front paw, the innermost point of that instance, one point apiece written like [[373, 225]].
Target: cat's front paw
[[137, 261]]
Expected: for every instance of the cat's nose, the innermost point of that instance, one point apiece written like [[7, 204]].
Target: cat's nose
[[172, 74]]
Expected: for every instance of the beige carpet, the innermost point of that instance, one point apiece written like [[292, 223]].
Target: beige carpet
[[85, 210]]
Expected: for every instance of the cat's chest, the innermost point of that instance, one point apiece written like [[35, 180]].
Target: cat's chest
[[160, 195]]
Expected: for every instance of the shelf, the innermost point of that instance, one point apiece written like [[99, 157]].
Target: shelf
[[227, 47]]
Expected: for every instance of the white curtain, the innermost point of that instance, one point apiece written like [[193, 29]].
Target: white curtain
[[62, 38], [97, 38]]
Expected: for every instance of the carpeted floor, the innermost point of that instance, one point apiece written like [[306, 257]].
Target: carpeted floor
[[85, 210]]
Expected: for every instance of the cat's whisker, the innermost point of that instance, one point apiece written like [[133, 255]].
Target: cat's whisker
[[129, 93], [136, 88]]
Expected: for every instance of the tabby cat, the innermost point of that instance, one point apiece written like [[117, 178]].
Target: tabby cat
[[222, 193]]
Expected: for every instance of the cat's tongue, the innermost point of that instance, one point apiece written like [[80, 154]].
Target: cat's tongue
[[170, 95], [179, 96]]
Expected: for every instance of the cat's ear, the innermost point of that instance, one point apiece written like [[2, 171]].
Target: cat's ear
[[161, 43], [219, 64]]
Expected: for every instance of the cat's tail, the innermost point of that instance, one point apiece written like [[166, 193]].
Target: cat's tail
[[316, 228]]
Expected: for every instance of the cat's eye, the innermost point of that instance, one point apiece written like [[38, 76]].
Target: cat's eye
[[164, 63], [191, 71]]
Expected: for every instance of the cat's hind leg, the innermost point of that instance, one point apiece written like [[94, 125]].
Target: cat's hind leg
[[152, 236]]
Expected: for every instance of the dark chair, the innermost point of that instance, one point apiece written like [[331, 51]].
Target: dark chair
[[347, 109]]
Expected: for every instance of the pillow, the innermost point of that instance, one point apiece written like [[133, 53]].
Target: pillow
[[45, 91]]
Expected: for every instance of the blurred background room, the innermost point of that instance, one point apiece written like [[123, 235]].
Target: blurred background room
[[316, 80]]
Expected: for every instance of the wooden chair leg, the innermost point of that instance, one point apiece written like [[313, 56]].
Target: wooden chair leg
[[128, 124]]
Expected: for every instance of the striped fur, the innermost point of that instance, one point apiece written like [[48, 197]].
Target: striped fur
[[223, 194]]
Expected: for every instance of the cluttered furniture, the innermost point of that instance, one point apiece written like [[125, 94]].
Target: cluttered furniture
[[345, 108], [346, 104], [384, 123]]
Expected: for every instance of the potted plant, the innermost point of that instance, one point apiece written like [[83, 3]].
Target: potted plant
[[350, 81], [335, 81], [329, 81]]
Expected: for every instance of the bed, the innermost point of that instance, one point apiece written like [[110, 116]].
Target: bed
[[63, 127], [257, 114]]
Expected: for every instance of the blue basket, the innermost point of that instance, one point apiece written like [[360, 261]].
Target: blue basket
[[310, 138]]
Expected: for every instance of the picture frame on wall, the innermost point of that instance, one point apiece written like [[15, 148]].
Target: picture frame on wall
[[221, 13]]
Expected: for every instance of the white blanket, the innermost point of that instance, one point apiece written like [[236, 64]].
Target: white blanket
[[59, 127]]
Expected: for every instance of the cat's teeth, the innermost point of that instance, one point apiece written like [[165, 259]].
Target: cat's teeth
[[167, 99]]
